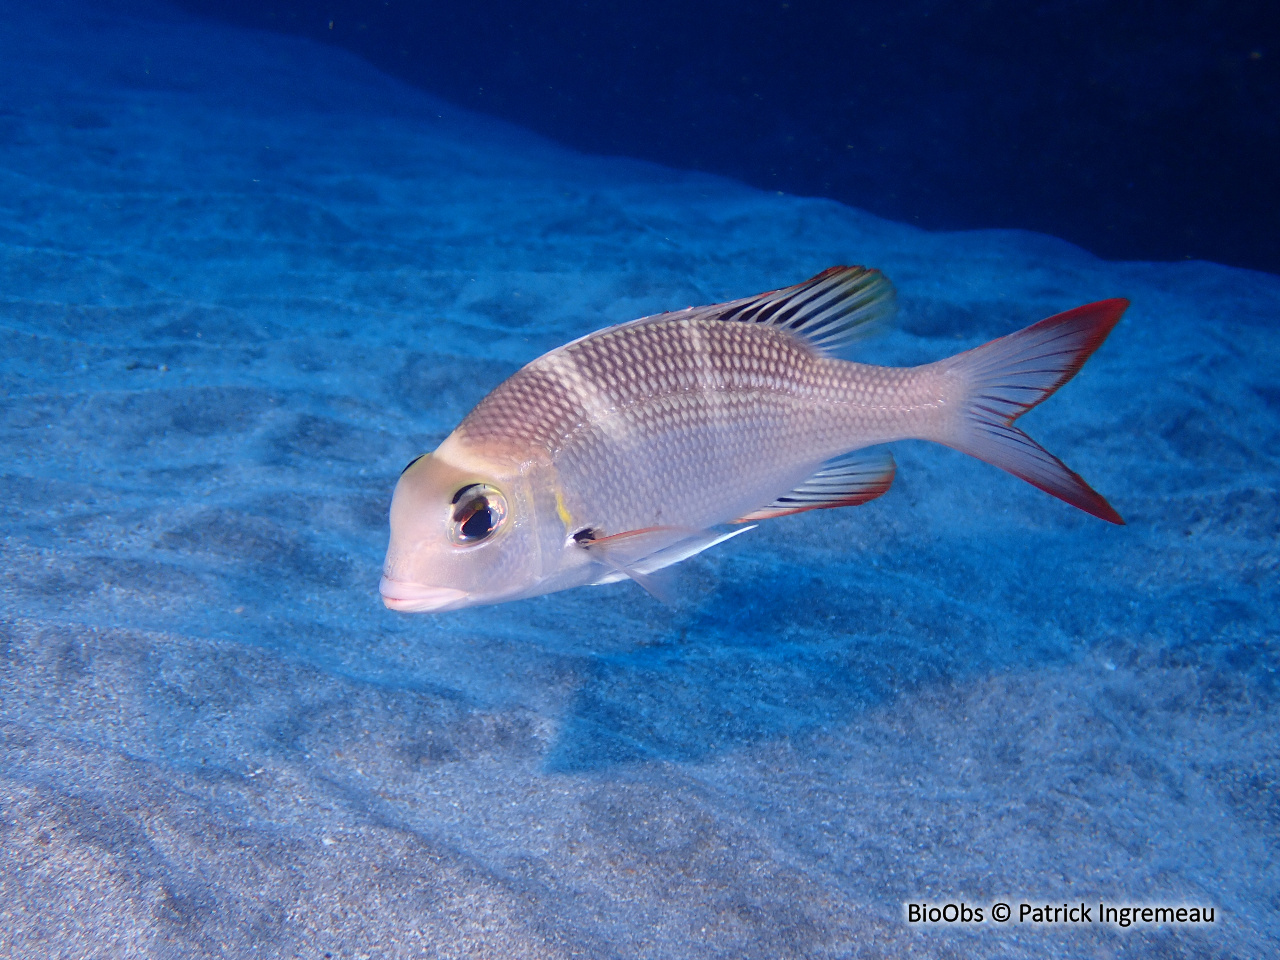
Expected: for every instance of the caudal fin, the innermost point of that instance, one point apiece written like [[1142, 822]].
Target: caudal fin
[[1009, 376]]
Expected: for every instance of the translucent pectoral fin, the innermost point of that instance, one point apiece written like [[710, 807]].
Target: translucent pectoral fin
[[689, 547], [639, 554], [843, 482], [656, 587]]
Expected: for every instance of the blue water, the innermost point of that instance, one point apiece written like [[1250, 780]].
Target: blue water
[[245, 278]]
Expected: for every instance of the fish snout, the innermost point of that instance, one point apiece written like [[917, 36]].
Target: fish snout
[[419, 598]]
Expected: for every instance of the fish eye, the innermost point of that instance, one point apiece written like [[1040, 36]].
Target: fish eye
[[478, 511]]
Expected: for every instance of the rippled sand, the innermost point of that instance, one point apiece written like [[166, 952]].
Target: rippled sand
[[244, 279]]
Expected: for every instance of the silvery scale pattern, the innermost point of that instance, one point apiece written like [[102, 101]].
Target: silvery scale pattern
[[706, 417]]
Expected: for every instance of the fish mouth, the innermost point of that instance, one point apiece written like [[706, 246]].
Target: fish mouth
[[419, 598]]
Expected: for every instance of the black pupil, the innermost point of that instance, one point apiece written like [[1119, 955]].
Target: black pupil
[[479, 522]]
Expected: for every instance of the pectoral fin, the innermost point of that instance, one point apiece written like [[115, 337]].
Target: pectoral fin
[[639, 554]]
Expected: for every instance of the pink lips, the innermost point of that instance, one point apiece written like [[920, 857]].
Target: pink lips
[[416, 597]]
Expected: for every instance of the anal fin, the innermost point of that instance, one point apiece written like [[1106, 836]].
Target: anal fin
[[846, 481]]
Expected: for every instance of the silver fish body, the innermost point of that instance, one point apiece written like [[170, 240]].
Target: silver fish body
[[619, 453]]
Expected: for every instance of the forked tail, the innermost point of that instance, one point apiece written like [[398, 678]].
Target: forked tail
[[1009, 376]]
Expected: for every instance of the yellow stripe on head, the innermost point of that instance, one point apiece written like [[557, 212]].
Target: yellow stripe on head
[[563, 511]]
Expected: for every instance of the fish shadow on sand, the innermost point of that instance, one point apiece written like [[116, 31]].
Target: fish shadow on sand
[[795, 649], [793, 638]]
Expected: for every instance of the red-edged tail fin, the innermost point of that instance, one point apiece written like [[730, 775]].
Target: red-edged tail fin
[[1009, 376]]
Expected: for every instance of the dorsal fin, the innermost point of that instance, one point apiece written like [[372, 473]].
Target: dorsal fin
[[837, 307], [843, 482]]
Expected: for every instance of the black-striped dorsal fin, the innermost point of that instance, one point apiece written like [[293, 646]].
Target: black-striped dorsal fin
[[846, 481], [830, 311]]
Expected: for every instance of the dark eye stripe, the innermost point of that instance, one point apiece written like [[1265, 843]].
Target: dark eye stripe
[[412, 462]]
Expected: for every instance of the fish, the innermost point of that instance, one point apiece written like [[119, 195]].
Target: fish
[[640, 445]]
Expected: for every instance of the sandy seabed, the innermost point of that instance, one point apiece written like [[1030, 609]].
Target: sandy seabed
[[244, 279]]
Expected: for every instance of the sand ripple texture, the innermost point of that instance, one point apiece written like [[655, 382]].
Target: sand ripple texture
[[244, 279]]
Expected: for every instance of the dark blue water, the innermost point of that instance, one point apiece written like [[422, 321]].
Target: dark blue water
[[1138, 131], [245, 277]]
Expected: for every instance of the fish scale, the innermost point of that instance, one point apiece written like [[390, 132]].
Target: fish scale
[[697, 416]]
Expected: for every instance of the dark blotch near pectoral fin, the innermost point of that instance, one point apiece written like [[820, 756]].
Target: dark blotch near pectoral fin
[[845, 481]]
